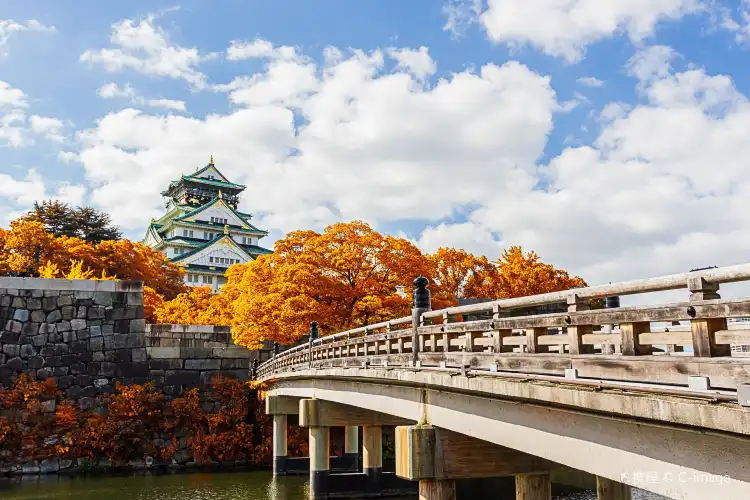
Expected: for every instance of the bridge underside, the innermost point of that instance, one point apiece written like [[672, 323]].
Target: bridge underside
[[628, 438]]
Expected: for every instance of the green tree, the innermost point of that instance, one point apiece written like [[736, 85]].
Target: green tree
[[82, 222]]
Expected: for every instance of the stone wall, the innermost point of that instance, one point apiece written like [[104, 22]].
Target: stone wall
[[89, 334], [84, 333], [182, 356]]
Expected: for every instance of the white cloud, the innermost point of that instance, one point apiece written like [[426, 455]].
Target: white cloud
[[17, 196], [11, 97], [167, 104], [144, 47], [23, 192], [590, 81], [467, 236], [111, 90], [258, 48], [417, 62], [71, 194], [67, 157], [9, 27], [287, 80], [48, 127], [13, 131], [364, 131], [460, 15], [563, 28]]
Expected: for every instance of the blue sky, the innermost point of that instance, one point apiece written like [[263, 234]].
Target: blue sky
[[608, 136]]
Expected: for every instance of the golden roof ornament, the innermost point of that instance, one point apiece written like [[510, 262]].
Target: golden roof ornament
[[226, 228], [220, 196], [211, 161]]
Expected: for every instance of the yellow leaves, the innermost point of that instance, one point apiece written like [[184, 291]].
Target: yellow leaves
[[28, 250], [49, 270]]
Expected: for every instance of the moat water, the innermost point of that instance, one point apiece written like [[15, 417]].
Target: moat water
[[199, 486]]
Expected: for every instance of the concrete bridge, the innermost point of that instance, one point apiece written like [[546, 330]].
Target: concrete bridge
[[620, 393]]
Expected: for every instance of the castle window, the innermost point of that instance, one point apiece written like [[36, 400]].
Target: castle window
[[184, 232], [177, 251], [244, 240], [210, 259]]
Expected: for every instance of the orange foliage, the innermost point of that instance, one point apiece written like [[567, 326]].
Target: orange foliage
[[224, 435], [198, 306], [27, 249], [522, 274], [226, 424], [461, 274], [345, 277]]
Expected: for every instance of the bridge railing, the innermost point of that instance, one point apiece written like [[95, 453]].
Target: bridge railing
[[626, 344]]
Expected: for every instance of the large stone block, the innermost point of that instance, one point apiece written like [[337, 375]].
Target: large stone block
[[81, 312], [49, 304], [64, 300], [108, 369], [134, 340], [14, 364], [63, 326], [9, 337], [54, 316], [77, 324], [235, 364], [96, 343], [21, 315], [38, 316], [39, 340], [33, 304], [133, 369], [35, 362], [103, 298], [13, 326], [68, 312], [96, 313], [163, 352], [18, 302], [165, 364], [183, 377], [12, 350], [202, 364], [27, 351], [30, 329], [139, 354], [95, 331]]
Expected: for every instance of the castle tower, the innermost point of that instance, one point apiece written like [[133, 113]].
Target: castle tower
[[202, 230]]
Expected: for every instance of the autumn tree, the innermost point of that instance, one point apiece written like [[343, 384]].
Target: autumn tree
[[521, 274], [27, 248], [347, 276], [461, 274], [85, 223]]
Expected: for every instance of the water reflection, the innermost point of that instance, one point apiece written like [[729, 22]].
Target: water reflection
[[216, 486]]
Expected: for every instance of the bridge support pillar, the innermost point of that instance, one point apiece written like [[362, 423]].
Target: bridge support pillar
[[279, 445], [437, 457], [606, 489], [533, 487], [319, 462], [351, 445], [437, 489], [372, 458], [279, 407]]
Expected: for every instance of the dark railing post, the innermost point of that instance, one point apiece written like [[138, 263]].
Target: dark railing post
[[314, 333], [422, 303], [255, 369], [611, 302], [275, 354]]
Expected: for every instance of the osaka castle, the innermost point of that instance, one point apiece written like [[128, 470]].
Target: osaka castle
[[202, 230]]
